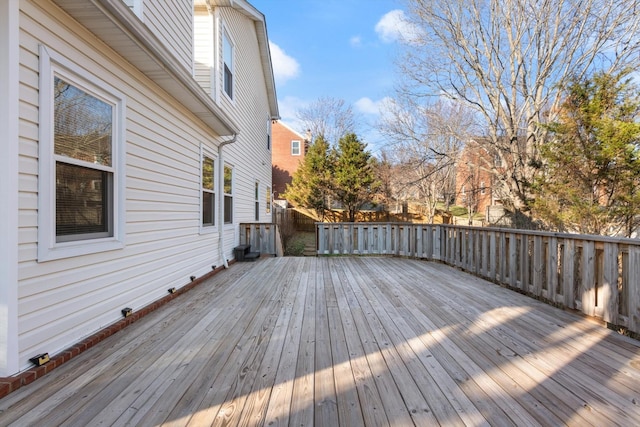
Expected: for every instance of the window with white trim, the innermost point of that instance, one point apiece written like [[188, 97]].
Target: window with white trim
[[497, 160], [81, 187], [227, 65], [295, 148], [268, 133], [208, 189], [268, 199], [228, 194], [257, 201]]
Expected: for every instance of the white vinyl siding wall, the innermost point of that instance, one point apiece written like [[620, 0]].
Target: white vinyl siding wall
[[172, 22], [203, 49], [249, 155], [62, 301]]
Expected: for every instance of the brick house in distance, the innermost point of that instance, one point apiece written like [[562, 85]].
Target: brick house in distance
[[475, 183], [289, 148]]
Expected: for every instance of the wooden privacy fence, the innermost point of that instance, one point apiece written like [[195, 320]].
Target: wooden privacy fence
[[263, 238], [599, 276]]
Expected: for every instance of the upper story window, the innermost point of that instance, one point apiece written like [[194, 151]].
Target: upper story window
[[268, 133], [81, 186], [295, 148], [227, 59], [208, 184]]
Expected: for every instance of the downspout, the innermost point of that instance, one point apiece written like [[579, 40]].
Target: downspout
[[221, 199]]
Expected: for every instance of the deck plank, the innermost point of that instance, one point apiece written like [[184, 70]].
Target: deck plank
[[326, 412], [369, 341], [373, 410], [278, 408], [349, 408], [302, 402]]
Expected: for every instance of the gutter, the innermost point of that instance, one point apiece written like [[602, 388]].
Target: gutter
[[221, 198]]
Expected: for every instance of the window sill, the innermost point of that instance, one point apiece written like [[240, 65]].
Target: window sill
[[211, 229], [79, 248]]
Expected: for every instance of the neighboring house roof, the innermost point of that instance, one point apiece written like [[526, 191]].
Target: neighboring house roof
[[122, 31], [290, 129]]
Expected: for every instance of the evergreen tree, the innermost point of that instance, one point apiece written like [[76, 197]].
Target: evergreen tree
[[354, 180], [311, 181], [591, 180]]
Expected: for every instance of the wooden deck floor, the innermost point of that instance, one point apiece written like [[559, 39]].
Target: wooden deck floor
[[349, 342]]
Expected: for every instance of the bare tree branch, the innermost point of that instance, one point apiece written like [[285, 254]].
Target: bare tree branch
[[329, 118], [507, 59], [427, 140]]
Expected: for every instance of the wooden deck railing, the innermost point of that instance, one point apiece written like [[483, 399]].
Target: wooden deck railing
[[599, 276], [263, 237]]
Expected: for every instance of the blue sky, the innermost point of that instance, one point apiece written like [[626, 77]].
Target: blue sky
[[343, 49]]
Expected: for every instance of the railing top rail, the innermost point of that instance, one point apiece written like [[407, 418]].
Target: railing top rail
[[373, 223], [595, 238]]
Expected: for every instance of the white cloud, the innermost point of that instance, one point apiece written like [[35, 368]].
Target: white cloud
[[288, 108], [368, 106], [355, 41], [394, 26], [284, 66]]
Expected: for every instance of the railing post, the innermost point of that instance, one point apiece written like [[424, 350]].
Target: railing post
[[568, 266], [372, 239], [513, 261], [484, 254], [587, 285], [633, 300], [347, 239], [610, 300], [436, 242], [552, 268], [492, 255], [538, 265], [452, 233], [320, 238], [503, 257], [525, 262], [468, 265]]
